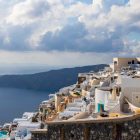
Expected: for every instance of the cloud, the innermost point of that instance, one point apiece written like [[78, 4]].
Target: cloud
[[132, 47], [15, 38], [66, 25], [16, 62], [67, 39], [73, 38], [106, 5], [26, 12], [51, 59], [83, 1]]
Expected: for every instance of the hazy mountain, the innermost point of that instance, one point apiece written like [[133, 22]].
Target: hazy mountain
[[47, 81]]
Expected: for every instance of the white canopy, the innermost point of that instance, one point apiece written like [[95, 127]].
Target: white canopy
[[28, 125], [67, 113], [17, 120], [28, 115]]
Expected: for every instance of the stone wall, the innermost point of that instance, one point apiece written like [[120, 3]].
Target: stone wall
[[39, 136], [123, 130]]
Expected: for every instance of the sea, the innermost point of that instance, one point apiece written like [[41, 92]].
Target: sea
[[14, 102]]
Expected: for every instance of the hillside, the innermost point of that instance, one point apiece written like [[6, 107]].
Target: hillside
[[47, 81]]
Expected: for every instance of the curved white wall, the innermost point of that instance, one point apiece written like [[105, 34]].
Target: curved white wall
[[101, 97]]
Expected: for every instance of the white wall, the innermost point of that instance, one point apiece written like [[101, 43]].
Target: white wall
[[131, 89], [101, 97]]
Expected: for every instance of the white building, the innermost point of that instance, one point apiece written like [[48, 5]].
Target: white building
[[101, 99], [131, 89]]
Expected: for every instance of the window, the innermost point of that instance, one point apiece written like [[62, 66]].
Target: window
[[129, 62], [115, 62], [133, 62]]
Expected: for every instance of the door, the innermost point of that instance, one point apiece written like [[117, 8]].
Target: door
[[100, 107]]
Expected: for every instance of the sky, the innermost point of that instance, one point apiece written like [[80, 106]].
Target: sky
[[38, 35]]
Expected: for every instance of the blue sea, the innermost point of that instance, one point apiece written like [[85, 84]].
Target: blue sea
[[14, 102]]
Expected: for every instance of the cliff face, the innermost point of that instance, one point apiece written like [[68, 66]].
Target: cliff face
[[47, 81]]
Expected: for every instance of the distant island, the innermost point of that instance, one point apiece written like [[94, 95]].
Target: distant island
[[50, 81]]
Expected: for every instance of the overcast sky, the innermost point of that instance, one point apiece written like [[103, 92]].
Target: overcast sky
[[67, 33]]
